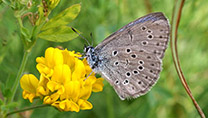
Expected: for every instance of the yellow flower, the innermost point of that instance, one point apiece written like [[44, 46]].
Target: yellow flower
[[29, 84], [42, 90], [63, 82], [53, 56]]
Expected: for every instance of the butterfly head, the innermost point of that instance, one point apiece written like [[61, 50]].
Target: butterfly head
[[92, 58], [88, 50]]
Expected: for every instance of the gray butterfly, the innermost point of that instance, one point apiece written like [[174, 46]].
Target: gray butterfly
[[131, 58]]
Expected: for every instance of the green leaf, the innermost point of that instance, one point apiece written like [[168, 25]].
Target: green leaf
[[7, 2], [7, 93], [2, 88], [1, 102], [63, 18], [12, 105], [25, 33], [58, 34], [9, 106]]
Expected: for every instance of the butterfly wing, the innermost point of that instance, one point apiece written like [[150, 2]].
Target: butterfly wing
[[132, 56]]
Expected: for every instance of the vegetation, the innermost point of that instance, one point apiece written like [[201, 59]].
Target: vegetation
[[167, 99]]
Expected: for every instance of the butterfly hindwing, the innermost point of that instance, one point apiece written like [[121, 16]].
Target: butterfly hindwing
[[132, 56]]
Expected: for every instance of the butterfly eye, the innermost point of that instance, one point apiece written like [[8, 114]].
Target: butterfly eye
[[87, 49]]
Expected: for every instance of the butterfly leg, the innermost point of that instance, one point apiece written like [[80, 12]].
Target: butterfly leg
[[88, 76]]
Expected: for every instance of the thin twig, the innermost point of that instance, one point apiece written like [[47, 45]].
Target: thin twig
[[26, 109], [175, 54], [30, 16]]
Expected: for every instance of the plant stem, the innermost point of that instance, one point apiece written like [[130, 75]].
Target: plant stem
[[20, 21], [21, 69], [175, 24], [26, 109], [16, 81]]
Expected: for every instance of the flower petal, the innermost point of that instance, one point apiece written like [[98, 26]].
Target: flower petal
[[84, 104], [41, 91], [85, 92], [54, 86], [74, 107], [40, 60], [27, 95], [62, 74], [44, 69], [90, 80], [56, 104], [68, 105], [51, 99], [53, 57], [98, 85], [29, 83], [72, 90], [79, 70], [68, 59], [42, 86]]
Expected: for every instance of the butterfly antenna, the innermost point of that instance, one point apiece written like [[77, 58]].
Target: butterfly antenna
[[91, 38], [81, 36]]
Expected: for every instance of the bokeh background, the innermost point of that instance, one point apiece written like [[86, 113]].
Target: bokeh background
[[167, 99]]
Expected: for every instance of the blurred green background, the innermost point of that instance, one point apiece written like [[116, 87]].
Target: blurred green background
[[167, 99]]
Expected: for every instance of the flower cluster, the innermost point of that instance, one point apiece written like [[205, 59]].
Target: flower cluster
[[62, 81]]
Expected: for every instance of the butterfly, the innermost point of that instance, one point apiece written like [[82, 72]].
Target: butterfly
[[131, 58]]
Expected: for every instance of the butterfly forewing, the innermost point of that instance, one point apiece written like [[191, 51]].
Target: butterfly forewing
[[132, 55]]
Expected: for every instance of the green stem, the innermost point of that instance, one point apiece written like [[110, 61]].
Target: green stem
[[20, 21], [26, 109], [17, 79]]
